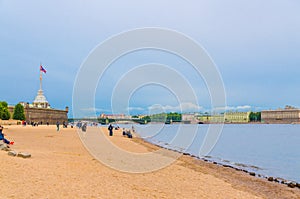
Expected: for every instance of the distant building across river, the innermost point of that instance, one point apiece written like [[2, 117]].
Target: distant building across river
[[228, 117], [287, 115]]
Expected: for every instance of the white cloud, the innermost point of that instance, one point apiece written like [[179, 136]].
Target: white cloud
[[243, 107], [135, 109], [233, 108], [183, 107]]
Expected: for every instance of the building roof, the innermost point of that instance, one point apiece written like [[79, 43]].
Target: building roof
[[40, 98]]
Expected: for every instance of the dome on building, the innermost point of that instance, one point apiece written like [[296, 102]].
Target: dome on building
[[40, 100]]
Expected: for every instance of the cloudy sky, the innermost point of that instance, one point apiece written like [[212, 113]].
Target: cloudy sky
[[254, 44]]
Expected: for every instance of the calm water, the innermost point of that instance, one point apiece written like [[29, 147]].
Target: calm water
[[270, 150]]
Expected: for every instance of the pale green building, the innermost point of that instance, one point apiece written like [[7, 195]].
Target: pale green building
[[228, 117]]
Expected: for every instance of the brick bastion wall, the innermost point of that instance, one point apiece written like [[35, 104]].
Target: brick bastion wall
[[43, 115]]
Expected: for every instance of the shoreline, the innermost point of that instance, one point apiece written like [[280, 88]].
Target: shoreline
[[252, 169], [203, 160], [279, 180], [225, 172], [60, 167]]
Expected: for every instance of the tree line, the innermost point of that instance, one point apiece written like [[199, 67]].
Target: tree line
[[163, 117], [18, 113], [255, 117]]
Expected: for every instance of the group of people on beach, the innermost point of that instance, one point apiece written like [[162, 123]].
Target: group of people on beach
[[64, 125], [24, 123], [110, 128], [125, 132], [3, 138]]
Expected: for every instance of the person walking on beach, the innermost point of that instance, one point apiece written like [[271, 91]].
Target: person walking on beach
[[57, 125], [2, 137], [84, 126], [110, 128]]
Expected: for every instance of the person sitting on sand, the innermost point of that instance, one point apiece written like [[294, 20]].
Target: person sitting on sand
[[2, 137]]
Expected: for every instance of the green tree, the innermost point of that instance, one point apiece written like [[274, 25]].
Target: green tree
[[146, 119], [175, 117], [255, 116], [4, 113], [258, 114], [160, 117], [166, 117], [19, 112]]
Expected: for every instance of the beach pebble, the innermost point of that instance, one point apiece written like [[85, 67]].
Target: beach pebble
[[270, 179], [228, 166], [24, 155], [2, 146], [252, 173], [5, 148], [291, 185], [12, 153]]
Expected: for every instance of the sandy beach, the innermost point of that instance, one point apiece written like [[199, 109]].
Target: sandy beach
[[61, 167]]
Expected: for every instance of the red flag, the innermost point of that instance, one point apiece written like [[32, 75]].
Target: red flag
[[42, 69]]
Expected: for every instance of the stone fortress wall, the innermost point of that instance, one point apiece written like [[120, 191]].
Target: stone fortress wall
[[43, 115]]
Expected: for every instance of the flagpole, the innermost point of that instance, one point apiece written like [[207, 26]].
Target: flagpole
[[41, 76], [41, 80]]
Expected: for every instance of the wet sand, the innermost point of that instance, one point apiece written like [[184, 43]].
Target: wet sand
[[61, 167]]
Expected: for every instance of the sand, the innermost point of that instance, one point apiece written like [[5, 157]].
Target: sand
[[61, 167]]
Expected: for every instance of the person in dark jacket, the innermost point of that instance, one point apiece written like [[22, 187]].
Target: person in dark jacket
[[110, 128], [57, 126], [2, 137]]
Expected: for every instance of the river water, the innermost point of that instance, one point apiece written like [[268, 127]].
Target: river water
[[267, 149]]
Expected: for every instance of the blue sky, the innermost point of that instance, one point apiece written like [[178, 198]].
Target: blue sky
[[255, 45]]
